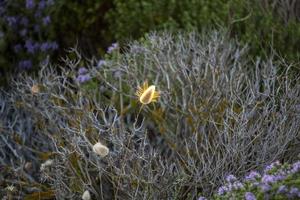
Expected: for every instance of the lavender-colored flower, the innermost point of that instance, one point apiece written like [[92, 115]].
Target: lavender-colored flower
[[222, 190], [113, 47], [295, 167], [83, 78], [237, 185], [11, 20], [230, 178], [46, 20], [25, 64], [30, 4], [82, 70], [252, 176], [265, 187], [17, 48], [101, 63], [250, 196], [294, 192], [45, 46], [282, 189], [30, 46], [272, 166], [42, 4], [202, 198]]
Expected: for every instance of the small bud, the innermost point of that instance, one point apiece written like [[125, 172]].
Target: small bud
[[28, 166], [86, 195], [46, 164], [35, 89], [100, 149]]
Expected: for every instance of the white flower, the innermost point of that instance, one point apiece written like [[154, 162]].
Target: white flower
[[86, 195], [100, 149], [46, 164]]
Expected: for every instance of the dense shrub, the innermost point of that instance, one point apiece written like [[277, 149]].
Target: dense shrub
[[218, 113]]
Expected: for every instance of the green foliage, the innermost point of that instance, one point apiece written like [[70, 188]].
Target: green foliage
[[252, 22]]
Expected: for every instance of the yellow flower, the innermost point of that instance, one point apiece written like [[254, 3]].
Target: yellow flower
[[147, 94]]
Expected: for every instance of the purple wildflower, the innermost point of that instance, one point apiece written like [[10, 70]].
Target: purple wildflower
[[295, 167], [113, 47], [83, 78], [46, 20], [222, 190], [11, 20], [237, 185], [202, 198], [250, 196], [101, 63], [294, 192], [82, 70], [230, 178], [282, 189], [25, 64], [272, 166], [265, 187], [42, 4], [252, 176], [30, 4]]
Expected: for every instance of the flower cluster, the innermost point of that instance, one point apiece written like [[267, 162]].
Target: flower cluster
[[83, 75], [277, 180], [27, 31]]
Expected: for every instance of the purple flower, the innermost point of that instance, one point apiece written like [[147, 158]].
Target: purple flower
[[101, 63], [42, 4], [113, 47], [46, 20], [230, 178], [202, 198], [30, 4], [17, 48], [295, 167], [237, 185], [282, 189], [272, 166], [222, 190], [250, 196], [25, 64], [83, 78], [294, 192], [252, 176], [30, 46], [265, 187], [82, 70], [11, 20]]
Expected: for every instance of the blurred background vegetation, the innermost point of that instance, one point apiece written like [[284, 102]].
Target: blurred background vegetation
[[92, 25]]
